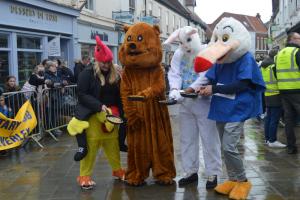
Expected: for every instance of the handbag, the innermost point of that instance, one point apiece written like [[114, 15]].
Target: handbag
[[28, 89]]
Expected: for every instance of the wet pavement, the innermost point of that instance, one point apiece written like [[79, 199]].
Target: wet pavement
[[32, 173]]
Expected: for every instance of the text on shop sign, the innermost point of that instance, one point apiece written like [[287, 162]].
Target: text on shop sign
[[29, 12]]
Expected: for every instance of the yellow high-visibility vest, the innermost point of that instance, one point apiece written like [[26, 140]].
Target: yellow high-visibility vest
[[287, 70], [270, 80]]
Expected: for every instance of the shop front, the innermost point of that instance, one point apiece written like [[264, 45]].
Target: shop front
[[31, 31], [87, 33]]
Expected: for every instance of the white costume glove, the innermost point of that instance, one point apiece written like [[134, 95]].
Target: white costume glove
[[175, 94]]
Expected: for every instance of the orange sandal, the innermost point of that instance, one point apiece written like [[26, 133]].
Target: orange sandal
[[85, 182], [120, 174]]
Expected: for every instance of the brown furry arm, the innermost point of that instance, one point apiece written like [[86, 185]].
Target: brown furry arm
[[129, 107], [157, 87]]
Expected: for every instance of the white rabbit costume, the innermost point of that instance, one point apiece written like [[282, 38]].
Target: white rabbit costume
[[193, 121]]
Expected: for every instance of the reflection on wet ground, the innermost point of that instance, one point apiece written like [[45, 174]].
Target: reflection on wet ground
[[50, 173]]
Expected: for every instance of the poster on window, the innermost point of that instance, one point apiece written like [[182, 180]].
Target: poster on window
[[54, 47]]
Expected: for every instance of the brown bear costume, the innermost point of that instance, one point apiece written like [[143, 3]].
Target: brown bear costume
[[150, 142]]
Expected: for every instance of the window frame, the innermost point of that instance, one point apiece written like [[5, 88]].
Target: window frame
[[88, 5]]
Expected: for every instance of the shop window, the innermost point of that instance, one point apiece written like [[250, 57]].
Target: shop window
[[89, 4], [131, 5], [3, 41], [26, 42], [87, 50], [26, 62], [4, 60]]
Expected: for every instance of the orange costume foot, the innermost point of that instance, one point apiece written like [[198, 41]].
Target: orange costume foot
[[226, 187], [165, 181], [120, 174], [85, 182], [136, 183], [240, 191]]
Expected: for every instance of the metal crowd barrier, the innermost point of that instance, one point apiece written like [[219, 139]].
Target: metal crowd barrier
[[57, 108], [53, 107]]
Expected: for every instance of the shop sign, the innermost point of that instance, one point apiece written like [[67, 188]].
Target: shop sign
[[25, 16], [54, 47]]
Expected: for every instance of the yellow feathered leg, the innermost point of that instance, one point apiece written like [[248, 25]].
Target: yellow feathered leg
[[76, 126]]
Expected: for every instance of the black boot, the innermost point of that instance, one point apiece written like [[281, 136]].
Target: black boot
[[123, 148], [211, 182], [292, 150], [82, 146], [122, 136], [187, 180]]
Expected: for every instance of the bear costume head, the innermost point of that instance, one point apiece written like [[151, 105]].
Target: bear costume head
[[141, 47]]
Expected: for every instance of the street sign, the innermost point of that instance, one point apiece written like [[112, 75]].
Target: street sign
[[275, 28], [123, 16], [150, 20]]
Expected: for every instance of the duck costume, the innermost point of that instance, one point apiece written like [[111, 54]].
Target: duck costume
[[90, 126], [149, 138], [237, 86], [193, 121]]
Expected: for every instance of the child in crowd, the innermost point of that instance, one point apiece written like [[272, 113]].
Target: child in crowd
[[4, 109]]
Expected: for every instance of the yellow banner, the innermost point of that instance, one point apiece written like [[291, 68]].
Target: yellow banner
[[14, 131]]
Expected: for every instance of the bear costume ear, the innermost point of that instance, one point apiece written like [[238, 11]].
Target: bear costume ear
[[126, 28], [156, 29]]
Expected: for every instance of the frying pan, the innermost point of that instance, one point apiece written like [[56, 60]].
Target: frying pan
[[168, 101], [189, 95], [113, 119]]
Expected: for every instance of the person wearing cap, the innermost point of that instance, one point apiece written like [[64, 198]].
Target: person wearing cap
[[98, 95], [272, 101]]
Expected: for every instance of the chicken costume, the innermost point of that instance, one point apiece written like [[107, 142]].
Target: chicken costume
[[90, 125], [237, 87], [149, 139], [193, 122]]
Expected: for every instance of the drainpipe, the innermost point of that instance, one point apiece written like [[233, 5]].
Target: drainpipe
[[82, 5], [145, 2]]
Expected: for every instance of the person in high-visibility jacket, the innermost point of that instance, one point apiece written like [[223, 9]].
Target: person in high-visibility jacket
[[288, 77], [272, 101]]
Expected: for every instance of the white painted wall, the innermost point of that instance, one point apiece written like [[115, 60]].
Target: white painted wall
[[287, 16]]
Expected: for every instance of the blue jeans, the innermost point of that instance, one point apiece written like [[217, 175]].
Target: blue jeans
[[271, 123]]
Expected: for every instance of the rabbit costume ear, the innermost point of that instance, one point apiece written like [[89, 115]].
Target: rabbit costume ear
[[172, 37], [192, 31]]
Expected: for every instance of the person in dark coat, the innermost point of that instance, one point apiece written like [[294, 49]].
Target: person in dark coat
[[94, 96], [65, 71], [55, 95], [79, 67], [98, 94], [13, 101]]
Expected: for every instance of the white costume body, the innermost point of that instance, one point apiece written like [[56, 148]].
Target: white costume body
[[193, 121]]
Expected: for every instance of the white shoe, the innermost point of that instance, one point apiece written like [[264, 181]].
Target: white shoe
[[266, 142], [281, 124], [276, 144]]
